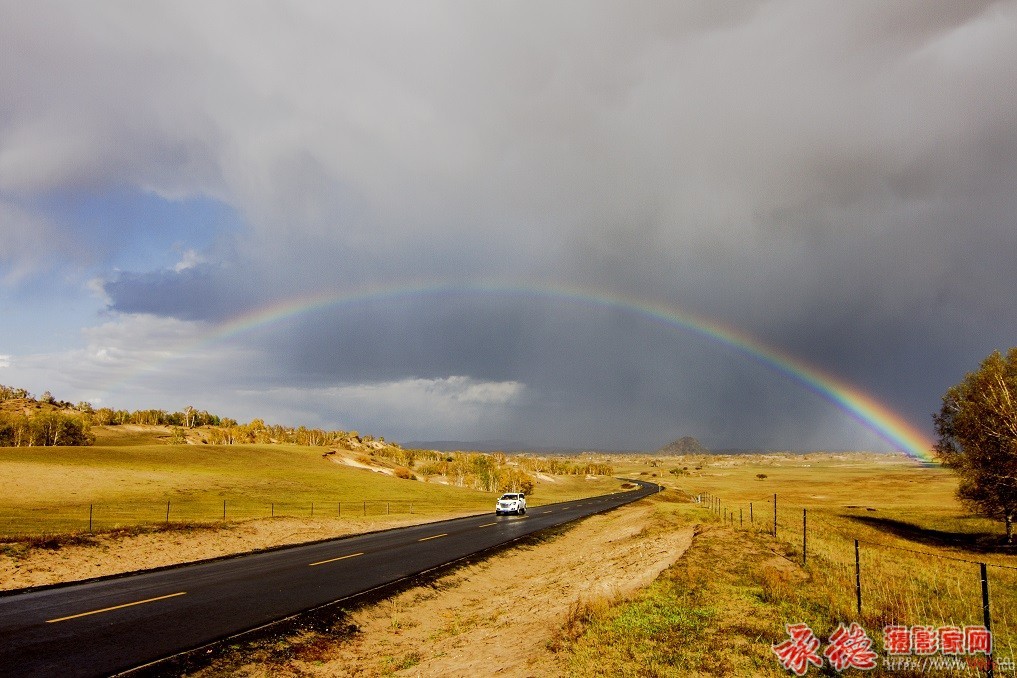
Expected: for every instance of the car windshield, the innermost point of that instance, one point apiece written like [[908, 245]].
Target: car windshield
[[510, 496]]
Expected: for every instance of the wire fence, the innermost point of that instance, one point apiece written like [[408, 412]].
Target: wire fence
[[95, 517], [921, 604], [107, 516]]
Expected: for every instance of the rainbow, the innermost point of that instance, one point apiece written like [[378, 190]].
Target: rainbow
[[886, 423]]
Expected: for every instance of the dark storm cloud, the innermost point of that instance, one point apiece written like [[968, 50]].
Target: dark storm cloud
[[836, 179], [201, 292]]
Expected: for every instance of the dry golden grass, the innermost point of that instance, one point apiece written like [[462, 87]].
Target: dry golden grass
[[53, 490], [719, 610]]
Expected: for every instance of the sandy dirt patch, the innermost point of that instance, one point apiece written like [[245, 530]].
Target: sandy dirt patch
[[491, 618], [353, 463], [106, 554]]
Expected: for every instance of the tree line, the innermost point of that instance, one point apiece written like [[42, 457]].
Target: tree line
[[230, 432], [487, 471], [32, 425], [29, 424], [20, 429]]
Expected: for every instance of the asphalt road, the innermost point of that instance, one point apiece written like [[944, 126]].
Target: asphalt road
[[109, 626]]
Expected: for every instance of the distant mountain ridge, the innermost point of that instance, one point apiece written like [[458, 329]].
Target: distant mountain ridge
[[686, 445]]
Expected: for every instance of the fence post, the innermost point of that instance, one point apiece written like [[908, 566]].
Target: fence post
[[167, 512], [339, 509], [741, 518], [858, 578], [986, 614], [224, 509], [751, 518], [365, 507], [89, 518], [805, 526], [388, 507], [273, 509], [312, 509], [774, 515]]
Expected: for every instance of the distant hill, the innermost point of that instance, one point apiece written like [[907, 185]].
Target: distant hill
[[686, 445], [506, 446], [473, 446]]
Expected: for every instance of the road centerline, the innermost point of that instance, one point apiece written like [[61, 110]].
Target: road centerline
[[332, 560], [115, 607], [282, 582], [436, 536]]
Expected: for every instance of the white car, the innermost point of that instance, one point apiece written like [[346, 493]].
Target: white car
[[512, 502]]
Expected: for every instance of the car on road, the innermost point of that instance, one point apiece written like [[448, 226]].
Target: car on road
[[511, 502]]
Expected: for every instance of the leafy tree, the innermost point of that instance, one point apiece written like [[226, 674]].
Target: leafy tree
[[977, 429]]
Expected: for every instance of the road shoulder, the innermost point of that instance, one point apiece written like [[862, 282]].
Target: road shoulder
[[496, 616]]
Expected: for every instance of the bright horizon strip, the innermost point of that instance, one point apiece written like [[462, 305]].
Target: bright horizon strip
[[868, 410]]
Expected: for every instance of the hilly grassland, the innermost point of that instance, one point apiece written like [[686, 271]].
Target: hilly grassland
[[132, 477]]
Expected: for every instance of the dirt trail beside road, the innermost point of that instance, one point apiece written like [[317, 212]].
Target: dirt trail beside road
[[496, 617]]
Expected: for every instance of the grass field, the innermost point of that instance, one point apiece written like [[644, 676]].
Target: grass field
[[67, 489], [719, 610]]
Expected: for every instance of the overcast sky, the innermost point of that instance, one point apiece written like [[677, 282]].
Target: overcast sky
[[837, 180]]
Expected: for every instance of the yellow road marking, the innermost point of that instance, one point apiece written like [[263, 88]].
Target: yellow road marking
[[487, 525], [444, 534], [115, 607], [332, 560]]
